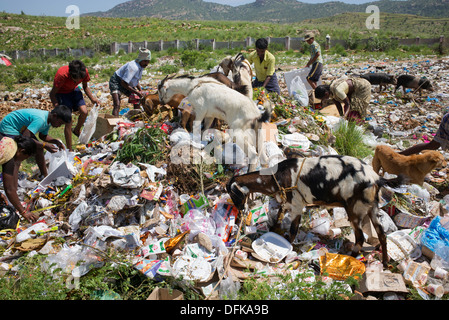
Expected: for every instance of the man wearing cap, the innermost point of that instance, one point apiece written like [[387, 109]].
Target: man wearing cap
[[264, 64], [316, 61], [126, 80]]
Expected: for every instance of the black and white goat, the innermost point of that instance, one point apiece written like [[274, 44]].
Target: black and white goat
[[331, 180], [212, 99]]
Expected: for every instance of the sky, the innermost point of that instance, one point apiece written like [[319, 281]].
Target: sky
[[58, 7]]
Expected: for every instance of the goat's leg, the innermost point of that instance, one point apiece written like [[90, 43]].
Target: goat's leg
[[294, 228], [380, 233], [279, 218], [296, 209], [207, 123], [355, 217]]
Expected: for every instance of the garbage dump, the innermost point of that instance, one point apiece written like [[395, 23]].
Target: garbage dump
[[122, 189]]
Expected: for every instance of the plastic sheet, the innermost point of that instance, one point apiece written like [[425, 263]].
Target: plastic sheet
[[340, 267]]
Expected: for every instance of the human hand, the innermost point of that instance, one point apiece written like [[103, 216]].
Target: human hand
[[51, 148], [29, 216]]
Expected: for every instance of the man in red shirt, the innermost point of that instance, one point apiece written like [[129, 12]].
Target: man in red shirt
[[65, 91]]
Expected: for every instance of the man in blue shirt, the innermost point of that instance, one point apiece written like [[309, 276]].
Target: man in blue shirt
[[126, 79], [30, 122]]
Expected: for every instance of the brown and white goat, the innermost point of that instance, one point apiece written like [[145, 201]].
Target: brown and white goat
[[241, 71], [331, 180]]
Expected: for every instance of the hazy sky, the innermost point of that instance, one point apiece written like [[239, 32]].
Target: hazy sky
[[58, 7]]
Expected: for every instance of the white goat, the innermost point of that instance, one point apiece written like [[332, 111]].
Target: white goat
[[212, 99], [241, 71]]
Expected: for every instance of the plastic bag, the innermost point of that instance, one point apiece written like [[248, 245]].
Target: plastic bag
[[297, 140], [8, 217], [196, 222], [435, 235], [299, 92], [89, 126]]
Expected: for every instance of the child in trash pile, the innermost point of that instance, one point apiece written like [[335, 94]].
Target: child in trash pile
[[29, 122], [441, 139], [316, 61], [65, 91], [264, 64], [12, 152], [126, 81]]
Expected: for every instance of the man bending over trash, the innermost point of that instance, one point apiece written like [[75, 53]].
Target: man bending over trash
[[65, 91], [29, 122], [126, 81]]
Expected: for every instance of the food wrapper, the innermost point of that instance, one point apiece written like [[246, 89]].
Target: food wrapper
[[416, 273], [259, 214], [340, 267], [153, 192], [148, 267], [225, 215], [153, 248], [197, 202]]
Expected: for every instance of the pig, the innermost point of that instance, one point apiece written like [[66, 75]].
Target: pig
[[381, 79], [412, 82]]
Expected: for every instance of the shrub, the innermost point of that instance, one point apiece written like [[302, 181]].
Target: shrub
[[191, 58], [349, 140], [299, 287], [26, 73]]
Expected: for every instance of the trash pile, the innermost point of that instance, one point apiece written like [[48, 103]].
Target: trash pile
[[124, 189]]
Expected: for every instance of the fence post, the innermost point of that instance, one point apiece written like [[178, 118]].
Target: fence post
[[177, 44], [161, 45], [130, 46], [287, 43], [417, 40], [114, 48], [248, 42], [213, 44], [197, 44]]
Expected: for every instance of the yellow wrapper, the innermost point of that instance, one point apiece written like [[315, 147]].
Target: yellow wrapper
[[340, 267]]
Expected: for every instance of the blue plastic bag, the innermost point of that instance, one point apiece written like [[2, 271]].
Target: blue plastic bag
[[435, 235]]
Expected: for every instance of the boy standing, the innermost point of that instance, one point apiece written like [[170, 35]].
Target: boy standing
[[65, 91], [316, 61]]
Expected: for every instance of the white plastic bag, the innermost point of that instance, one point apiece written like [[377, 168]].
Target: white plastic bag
[[89, 126], [299, 92]]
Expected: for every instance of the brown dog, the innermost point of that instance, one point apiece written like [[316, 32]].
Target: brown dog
[[153, 108], [415, 166]]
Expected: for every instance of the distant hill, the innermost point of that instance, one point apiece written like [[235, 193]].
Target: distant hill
[[279, 11]]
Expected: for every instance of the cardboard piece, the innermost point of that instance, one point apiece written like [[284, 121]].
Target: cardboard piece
[[164, 294], [382, 282], [330, 110], [270, 131], [105, 124]]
